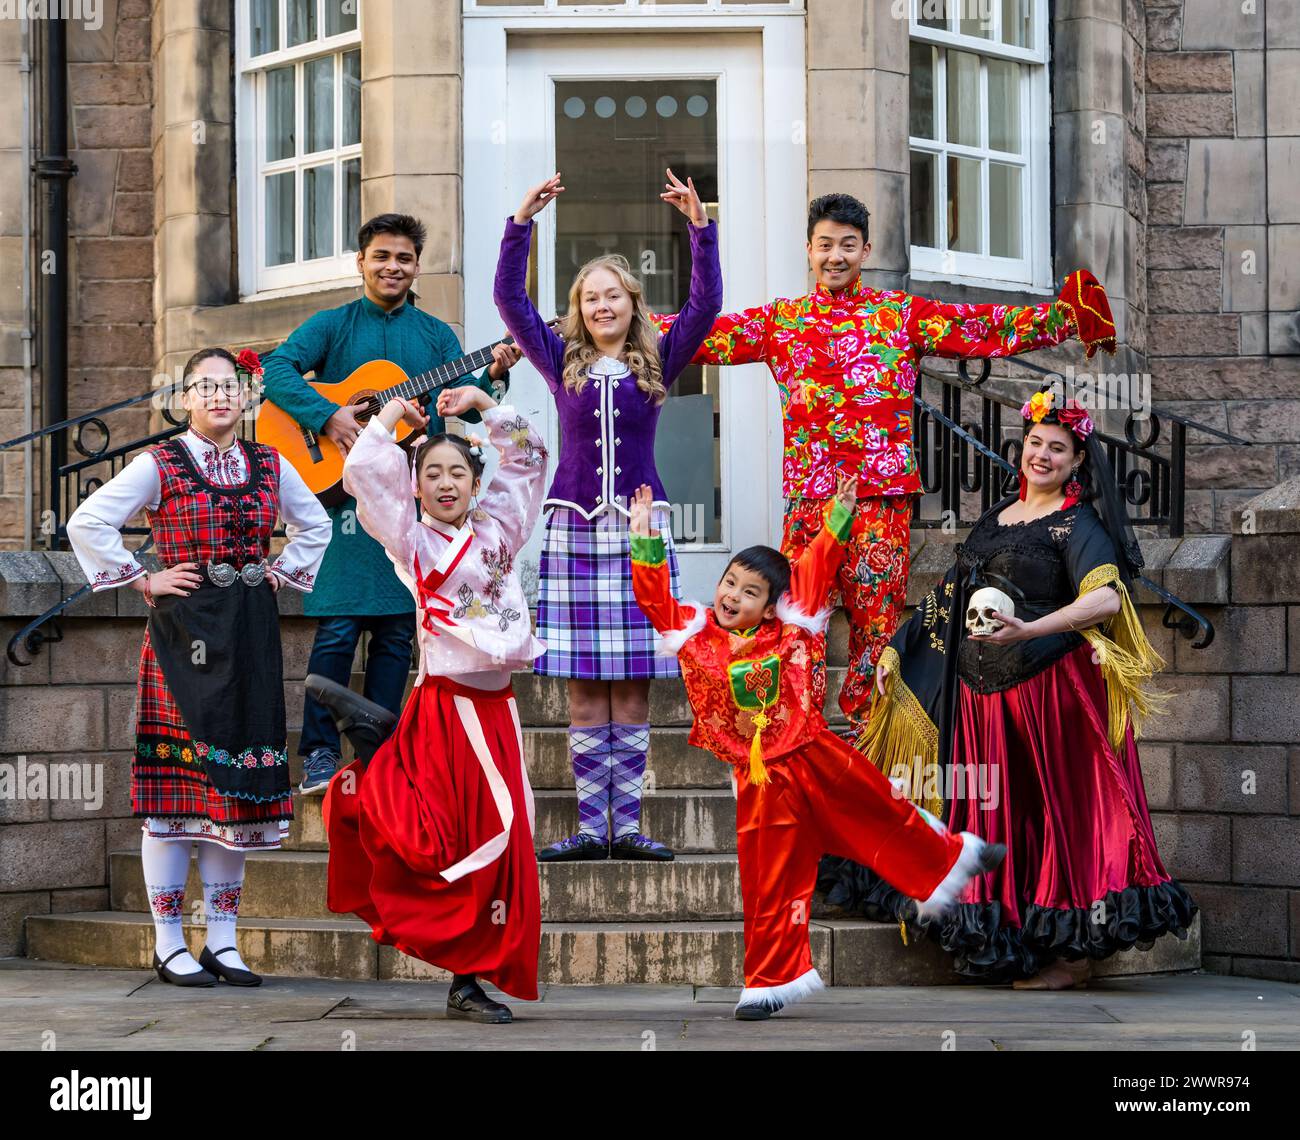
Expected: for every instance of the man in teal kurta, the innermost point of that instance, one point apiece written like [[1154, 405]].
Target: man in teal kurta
[[356, 589]]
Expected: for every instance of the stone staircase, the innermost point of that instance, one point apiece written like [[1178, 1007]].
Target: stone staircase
[[604, 922]]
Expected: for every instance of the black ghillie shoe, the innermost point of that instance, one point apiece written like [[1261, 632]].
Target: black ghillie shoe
[[575, 847], [472, 1004], [232, 974], [201, 978], [365, 724], [638, 846]]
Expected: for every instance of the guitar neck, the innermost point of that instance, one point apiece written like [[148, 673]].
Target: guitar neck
[[417, 387]]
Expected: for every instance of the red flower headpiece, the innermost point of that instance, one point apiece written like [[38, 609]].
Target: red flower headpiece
[[1076, 419], [1041, 406], [246, 360]]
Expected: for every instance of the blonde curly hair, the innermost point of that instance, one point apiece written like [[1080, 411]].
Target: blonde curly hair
[[641, 349]]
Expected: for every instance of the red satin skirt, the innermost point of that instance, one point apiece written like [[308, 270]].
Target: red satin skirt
[[1034, 769], [432, 844]]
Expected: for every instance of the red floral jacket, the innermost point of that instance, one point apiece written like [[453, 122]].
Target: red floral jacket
[[846, 366], [761, 680]]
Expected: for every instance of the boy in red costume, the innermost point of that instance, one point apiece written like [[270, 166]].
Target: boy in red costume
[[748, 663]]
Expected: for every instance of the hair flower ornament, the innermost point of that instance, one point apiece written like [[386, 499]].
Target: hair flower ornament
[[246, 360], [1038, 406], [1076, 419]]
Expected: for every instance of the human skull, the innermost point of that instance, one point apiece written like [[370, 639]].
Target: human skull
[[984, 603]]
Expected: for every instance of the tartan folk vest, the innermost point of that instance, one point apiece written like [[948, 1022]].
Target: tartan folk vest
[[200, 521]]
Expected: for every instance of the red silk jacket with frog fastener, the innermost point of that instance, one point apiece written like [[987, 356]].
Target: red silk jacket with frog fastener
[[758, 682]]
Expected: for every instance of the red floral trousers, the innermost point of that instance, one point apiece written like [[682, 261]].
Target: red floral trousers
[[872, 584]]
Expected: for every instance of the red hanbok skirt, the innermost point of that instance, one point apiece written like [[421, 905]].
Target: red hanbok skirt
[[432, 844], [1034, 769]]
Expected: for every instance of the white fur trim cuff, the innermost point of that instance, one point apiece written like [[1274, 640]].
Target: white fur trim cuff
[[944, 897], [778, 997], [670, 644], [790, 614]]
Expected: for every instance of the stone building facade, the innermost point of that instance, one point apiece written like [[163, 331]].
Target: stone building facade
[[1170, 136]]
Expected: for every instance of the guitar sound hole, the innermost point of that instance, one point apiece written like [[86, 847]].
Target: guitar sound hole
[[369, 403]]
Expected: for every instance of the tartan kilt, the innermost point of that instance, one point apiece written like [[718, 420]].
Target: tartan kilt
[[587, 614], [167, 778]]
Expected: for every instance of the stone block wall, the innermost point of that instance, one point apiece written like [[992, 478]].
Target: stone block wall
[[1223, 217], [74, 705], [13, 319]]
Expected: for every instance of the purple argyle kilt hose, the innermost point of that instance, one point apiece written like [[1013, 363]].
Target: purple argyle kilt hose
[[586, 612]]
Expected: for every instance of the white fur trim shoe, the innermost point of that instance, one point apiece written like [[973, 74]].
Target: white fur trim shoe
[[977, 858], [763, 1001]]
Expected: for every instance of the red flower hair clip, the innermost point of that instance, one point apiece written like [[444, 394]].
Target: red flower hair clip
[[246, 360], [1076, 419]]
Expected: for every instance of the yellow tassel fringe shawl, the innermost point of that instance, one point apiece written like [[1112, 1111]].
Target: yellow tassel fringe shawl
[[1128, 660]]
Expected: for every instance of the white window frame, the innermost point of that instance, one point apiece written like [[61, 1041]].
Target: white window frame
[[1033, 271], [257, 280], [638, 7]]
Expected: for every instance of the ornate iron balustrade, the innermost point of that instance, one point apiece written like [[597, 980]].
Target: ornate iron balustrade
[[99, 459], [955, 465]]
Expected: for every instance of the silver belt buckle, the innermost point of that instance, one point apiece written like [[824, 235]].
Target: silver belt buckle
[[221, 573]]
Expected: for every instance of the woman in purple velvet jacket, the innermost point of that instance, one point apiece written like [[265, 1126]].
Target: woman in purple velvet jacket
[[610, 372]]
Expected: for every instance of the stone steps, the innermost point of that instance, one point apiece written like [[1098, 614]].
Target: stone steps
[[672, 763], [689, 820], [692, 888], [846, 953]]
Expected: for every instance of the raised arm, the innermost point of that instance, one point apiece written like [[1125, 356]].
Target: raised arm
[[940, 329], [514, 497], [813, 573], [734, 338], [651, 580], [378, 475], [543, 347], [284, 377]]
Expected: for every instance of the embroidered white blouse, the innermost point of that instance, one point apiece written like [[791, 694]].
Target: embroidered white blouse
[[472, 617], [95, 527]]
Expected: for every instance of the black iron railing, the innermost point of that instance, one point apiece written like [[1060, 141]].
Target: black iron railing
[[1149, 459]]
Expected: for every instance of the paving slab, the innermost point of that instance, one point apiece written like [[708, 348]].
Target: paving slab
[[124, 1010]]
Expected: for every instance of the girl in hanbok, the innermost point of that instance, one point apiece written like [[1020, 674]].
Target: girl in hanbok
[[609, 371], [431, 842], [1020, 726], [210, 762]]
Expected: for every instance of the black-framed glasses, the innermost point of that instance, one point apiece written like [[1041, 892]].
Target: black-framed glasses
[[207, 387]]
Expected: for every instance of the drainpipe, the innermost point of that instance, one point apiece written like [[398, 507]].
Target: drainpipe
[[53, 170], [25, 70]]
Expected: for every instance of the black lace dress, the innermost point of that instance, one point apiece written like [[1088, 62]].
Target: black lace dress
[[1037, 752]]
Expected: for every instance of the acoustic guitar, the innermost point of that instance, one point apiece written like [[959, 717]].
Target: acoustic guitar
[[319, 459]]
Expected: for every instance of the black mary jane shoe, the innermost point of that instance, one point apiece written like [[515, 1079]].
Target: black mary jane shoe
[[201, 978], [472, 1004], [231, 974]]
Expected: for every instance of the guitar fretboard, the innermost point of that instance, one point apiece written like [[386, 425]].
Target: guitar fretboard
[[418, 386]]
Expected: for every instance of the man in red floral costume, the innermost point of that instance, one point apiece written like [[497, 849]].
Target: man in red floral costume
[[845, 358]]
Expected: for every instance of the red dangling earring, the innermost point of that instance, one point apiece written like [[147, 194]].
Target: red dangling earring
[[1074, 489], [1023, 485]]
